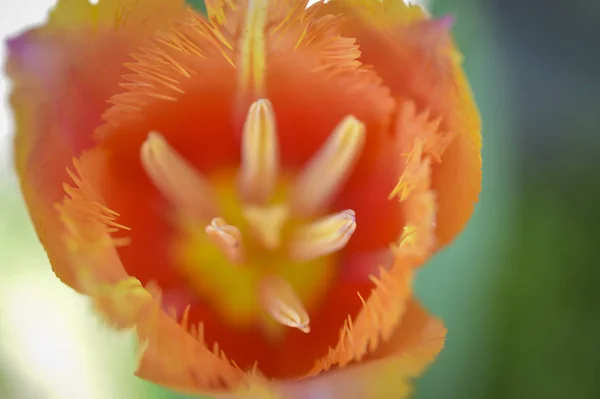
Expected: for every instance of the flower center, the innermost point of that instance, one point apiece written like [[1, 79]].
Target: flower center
[[256, 242]]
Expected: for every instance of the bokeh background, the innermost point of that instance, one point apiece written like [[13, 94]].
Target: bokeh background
[[519, 290]]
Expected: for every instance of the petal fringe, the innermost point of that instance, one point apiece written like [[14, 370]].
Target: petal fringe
[[307, 53], [63, 73], [415, 56], [386, 373], [174, 352], [420, 140], [196, 50]]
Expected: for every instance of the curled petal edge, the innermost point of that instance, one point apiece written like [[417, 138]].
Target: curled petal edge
[[381, 312], [173, 353], [55, 116]]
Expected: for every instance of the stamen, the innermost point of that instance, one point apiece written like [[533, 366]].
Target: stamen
[[228, 238], [182, 185], [283, 305], [329, 168], [252, 46], [260, 153], [323, 237], [266, 223]]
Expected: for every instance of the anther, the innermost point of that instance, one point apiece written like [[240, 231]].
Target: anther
[[283, 305], [228, 238], [329, 168], [323, 237], [179, 182], [260, 153]]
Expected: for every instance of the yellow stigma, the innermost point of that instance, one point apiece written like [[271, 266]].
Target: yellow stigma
[[265, 255], [267, 223], [252, 47]]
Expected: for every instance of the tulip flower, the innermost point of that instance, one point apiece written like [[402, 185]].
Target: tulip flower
[[251, 190]]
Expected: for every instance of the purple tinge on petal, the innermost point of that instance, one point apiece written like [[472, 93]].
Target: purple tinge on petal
[[32, 57], [57, 83], [446, 22], [432, 34], [369, 380], [15, 44]]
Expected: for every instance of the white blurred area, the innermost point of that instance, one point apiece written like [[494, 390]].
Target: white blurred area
[[51, 344]]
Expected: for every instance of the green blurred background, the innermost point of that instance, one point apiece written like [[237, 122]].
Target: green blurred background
[[519, 290]]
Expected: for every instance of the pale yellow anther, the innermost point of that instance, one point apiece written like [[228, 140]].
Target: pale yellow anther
[[260, 153], [323, 237], [228, 238], [183, 186], [283, 305], [253, 48], [329, 168], [266, 223]]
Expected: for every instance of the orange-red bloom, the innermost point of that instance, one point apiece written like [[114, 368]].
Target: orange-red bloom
[[252, 190]]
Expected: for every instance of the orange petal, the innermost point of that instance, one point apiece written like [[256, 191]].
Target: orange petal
[[457, 180], [386, 373], [383, 307], [174, 353], [184, 86], [63, 73], [415, 56], [416, 341]]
